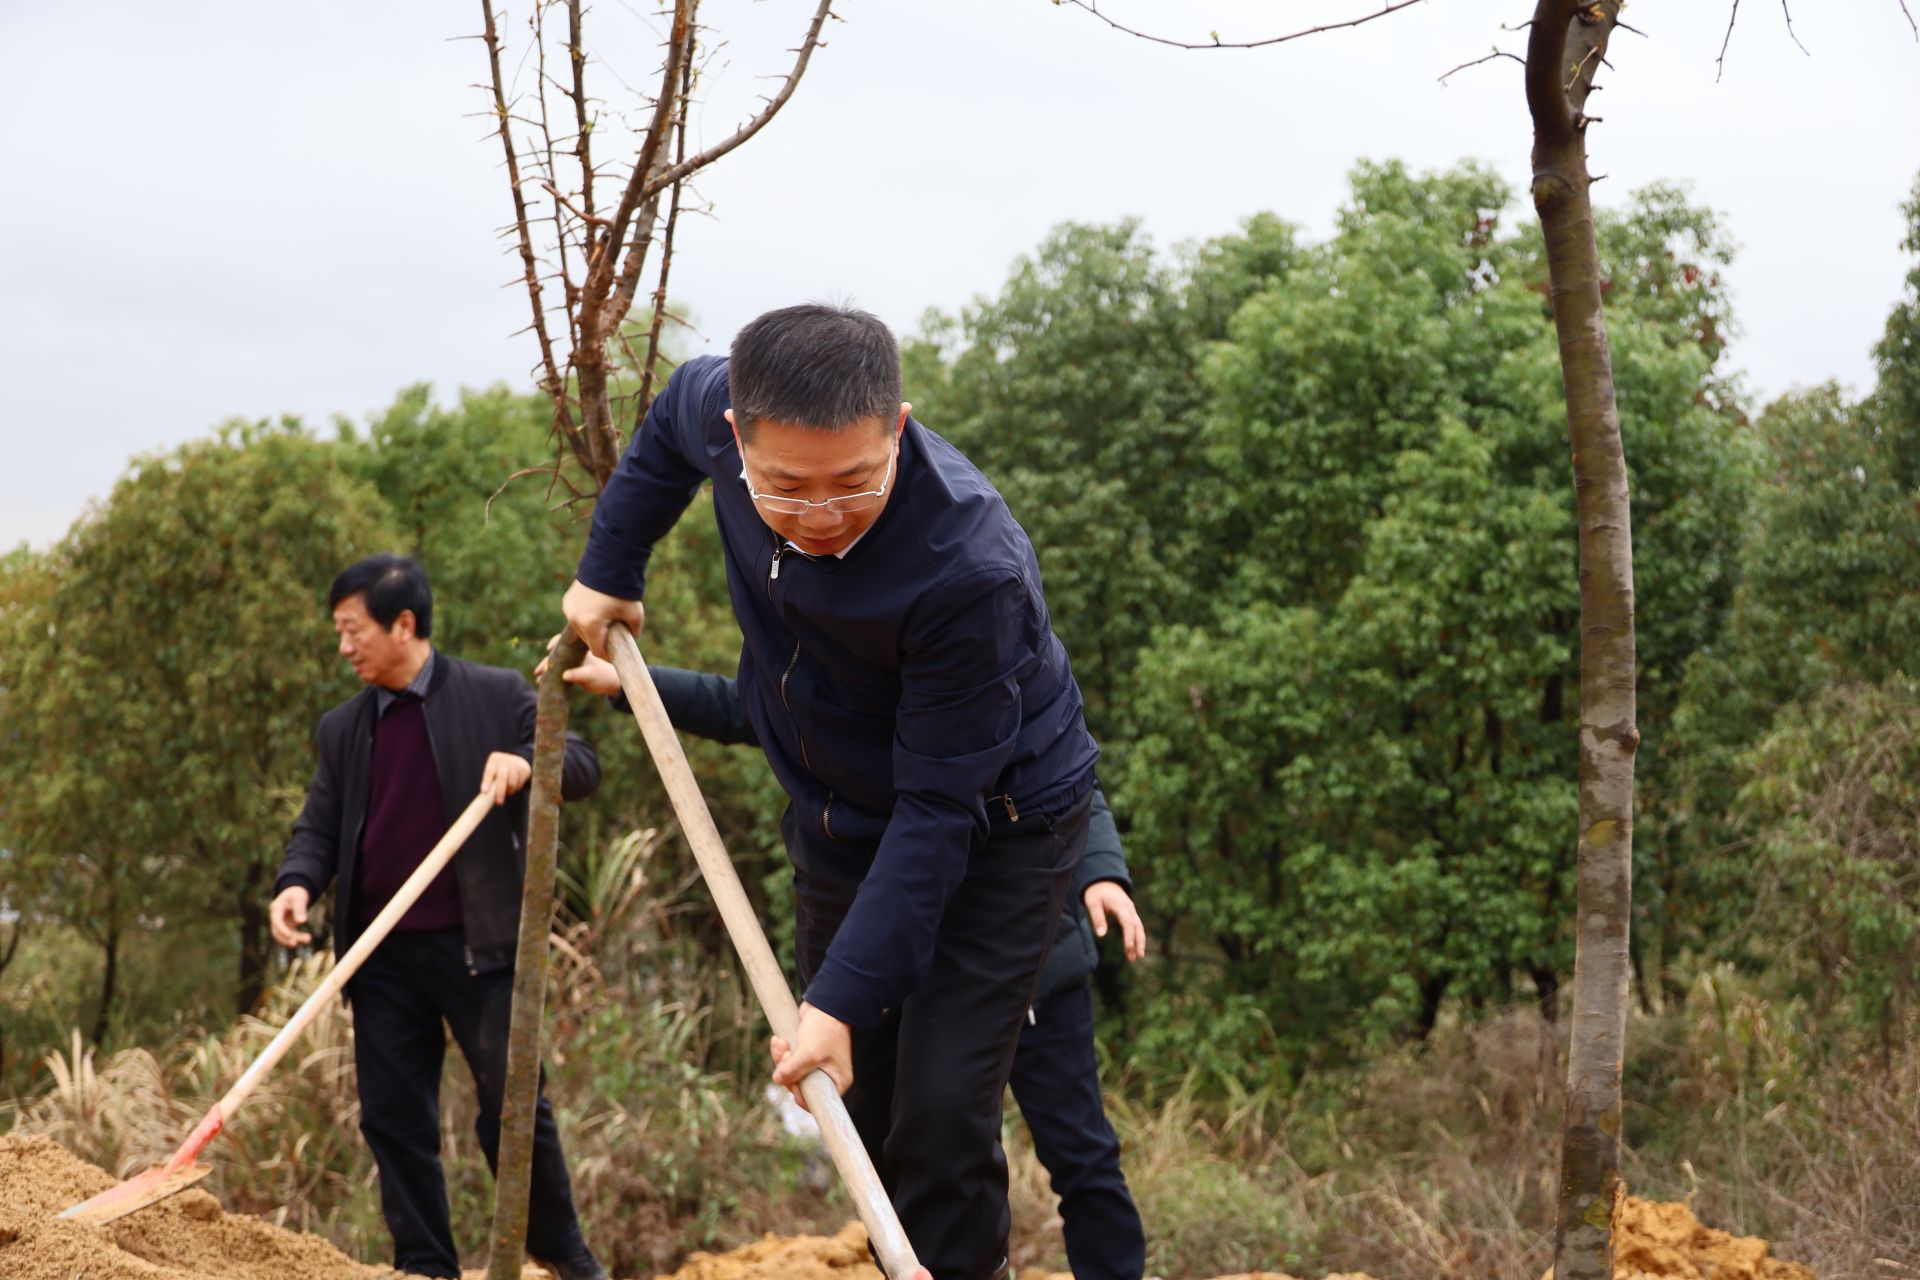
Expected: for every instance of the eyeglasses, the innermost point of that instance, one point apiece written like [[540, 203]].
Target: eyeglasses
[[845, 504]]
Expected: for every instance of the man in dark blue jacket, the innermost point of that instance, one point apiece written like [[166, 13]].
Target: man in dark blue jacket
[[901, 673], [1056, 1078]]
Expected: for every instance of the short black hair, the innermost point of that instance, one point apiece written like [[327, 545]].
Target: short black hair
[[814, 365], [391, 585]]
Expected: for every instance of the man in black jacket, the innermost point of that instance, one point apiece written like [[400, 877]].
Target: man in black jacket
[[1056, 1078], [398, 762], [900, 669]]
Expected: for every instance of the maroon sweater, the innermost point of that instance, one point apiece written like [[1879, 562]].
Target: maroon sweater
[[405, 818]]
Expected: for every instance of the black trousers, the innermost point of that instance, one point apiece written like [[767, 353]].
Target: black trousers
[[1056, 1081], [930, 1082], [400, 997]]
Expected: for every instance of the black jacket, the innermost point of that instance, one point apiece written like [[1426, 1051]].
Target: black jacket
[[708, 706], [472, 711], [911, 697]]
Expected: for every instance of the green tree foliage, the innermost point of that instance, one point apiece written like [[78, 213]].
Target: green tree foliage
[[1074, 389], [1828, 597], [1345, 744], [162, 679], [1833, 803]]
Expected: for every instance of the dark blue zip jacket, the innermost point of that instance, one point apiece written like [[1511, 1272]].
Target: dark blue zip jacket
[[908, 696], [708, 706]]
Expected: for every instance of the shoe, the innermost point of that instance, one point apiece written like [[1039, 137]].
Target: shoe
[[582, 1266]]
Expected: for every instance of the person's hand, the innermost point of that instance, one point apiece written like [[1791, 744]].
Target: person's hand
[[821, 1042], [287, 913], [590, 611], [595, 675], [1107, 898], [505, 774]]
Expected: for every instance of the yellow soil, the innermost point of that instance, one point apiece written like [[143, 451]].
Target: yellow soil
[[187, 1237], [1654, 1241]]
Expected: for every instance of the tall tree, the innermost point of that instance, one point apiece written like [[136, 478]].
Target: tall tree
[[160, 693], [1566, 47]]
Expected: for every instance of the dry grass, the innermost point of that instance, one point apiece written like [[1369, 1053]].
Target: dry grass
[[1439, 1163], [1434, 1163]]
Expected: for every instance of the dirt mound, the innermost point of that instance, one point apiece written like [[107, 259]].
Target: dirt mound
[[840, 1257], [1654, 1241], [188, 1237]]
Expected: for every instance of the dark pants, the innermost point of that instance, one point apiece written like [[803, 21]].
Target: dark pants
[[929, 1082], [401, 995], [1057, 1084]]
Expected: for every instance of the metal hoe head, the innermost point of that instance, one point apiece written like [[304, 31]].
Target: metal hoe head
[[137, 1192]]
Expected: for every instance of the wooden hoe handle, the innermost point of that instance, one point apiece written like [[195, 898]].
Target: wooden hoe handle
[[763, 971]]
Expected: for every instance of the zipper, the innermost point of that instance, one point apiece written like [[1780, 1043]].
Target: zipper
[[1013, 814], [784, 677], [773, 574], [773, 570]]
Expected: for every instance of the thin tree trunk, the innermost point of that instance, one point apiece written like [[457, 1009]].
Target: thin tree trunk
[[253, 941], [1566, 47], [6, 958], [109, 978]]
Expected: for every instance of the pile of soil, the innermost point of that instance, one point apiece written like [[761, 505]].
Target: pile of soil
[[1655, 1241], [186, 1237], [840, 1257]]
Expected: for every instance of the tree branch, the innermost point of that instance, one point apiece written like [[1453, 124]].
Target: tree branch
[[1910, 21], [1093, 7], [1784, 8], [554, 385], [805, 52], [1720, 63], [549, 183], [1497, 53], [645, 397], [583, 128], [601, 276]]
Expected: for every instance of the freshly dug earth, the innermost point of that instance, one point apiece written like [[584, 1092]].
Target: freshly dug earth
[[186, 1237], [189, 1237], [1654, 1241], [841, 1257]]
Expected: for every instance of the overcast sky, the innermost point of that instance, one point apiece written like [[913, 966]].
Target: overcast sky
[[237, 208]]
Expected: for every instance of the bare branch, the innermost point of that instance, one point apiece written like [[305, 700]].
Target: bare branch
[[1720, 63], [1910, 21], [1497, 53], [554, 470], [546, 136], [1785, 9], [805, 52], [582, 214], [554, 385], [600, 279], [666, 249], [1093, 7], [655, 155], [583, 128]]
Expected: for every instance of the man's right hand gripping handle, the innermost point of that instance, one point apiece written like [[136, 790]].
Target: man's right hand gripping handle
[[591, 611]]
